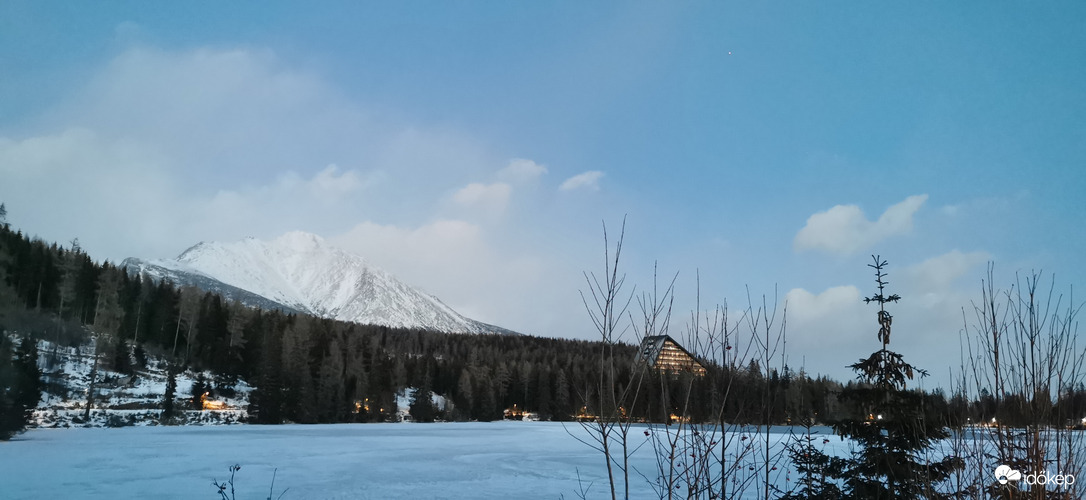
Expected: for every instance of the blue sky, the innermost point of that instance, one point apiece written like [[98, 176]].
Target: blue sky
[[473, 148]]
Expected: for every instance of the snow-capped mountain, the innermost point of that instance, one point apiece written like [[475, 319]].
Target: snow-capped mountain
[[301, 272]]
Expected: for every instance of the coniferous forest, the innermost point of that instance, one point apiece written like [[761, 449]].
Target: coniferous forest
[[309, 370]]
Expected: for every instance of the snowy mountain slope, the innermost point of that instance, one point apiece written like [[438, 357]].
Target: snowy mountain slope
[[182, 276], [301, 272]]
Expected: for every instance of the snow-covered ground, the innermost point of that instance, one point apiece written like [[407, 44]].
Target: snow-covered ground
[[120, 399], [342, 461], [335, 461]]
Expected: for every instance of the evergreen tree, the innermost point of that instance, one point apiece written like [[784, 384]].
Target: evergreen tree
[[486, 402], [107, 310], [141, 356], [464, 400], [9, 295], [897, 434], [422, 404], [122, 357], [330, 385], [562, 404], [168, 410], [29, 377], [201, 389], [11, 416], [70, 265], [20, 385], [298, 385], [266, 400], [814, 469]]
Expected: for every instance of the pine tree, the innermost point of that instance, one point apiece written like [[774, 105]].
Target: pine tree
[[29, 375], [122, 358], [201, 389], [422, 404], [70, 265], [486, 402], [11, 417], [814, 469], [562, 410], [107, 310], [20, 385], [330, 385], [171, 392], [897, 434], [9, 295], [464, 402]]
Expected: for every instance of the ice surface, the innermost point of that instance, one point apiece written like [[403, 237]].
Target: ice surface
[[341, 461]]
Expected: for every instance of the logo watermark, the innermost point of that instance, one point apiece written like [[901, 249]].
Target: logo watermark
[[1005, 474]]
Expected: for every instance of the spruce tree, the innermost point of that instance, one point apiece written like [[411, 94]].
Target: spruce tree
[[814, 470], [12, 415], [464, 402], [29, 376], [895, 435], [201, 388], [422, 404], [171, 391]]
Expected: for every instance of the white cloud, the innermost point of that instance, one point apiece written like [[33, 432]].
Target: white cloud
[[491, 197], [825, 311], [411, 250], [521, 170], [589, 180], [804, 306], [122, 198], [456, 261], [940, 272], [162, 149], [76, 183], [834, 328], [332, 182], [844, 229]]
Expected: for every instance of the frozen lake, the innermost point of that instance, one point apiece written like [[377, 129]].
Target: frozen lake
[[342, 461]]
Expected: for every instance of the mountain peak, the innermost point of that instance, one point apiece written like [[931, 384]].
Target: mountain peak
[[299, 239], [301, 272]]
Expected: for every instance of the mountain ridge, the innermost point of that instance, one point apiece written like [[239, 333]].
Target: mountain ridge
[[300, 272]]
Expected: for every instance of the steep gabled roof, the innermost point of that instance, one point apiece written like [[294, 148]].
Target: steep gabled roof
[[652, 347]]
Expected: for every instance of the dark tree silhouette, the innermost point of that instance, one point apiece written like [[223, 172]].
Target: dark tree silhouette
[[898, 427]]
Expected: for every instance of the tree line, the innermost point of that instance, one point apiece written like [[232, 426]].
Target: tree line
[[306, 369]]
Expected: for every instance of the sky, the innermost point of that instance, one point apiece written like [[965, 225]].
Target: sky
[[758, 152]]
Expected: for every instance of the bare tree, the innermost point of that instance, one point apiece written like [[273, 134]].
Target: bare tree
[[697, 456], [1025, 355], [188, 311], [610, 401], [718, 456]]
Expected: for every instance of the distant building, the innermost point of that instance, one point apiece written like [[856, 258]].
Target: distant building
[[663, 353]]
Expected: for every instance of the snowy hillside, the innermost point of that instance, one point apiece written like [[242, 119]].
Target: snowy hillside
[[300, 272], [124, 399]]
